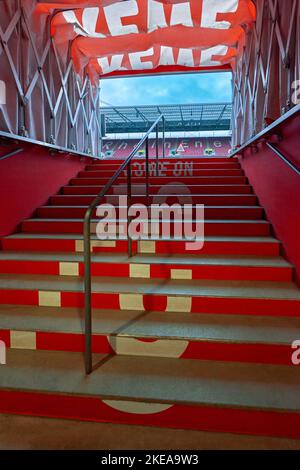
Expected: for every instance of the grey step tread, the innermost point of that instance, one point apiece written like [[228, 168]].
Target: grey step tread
[[164, 195], [125, 207], [155, 380], [238, 329], [183, 178], [174, 259], [75, 236], [230, 289], [158, 186], [207, 221]]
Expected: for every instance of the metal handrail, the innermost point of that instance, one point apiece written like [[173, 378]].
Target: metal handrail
[[58, 148], [283, 158], [87, 229], [11, 154], [269, 131]]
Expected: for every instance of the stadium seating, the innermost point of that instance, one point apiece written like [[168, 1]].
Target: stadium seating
[[181, 147]]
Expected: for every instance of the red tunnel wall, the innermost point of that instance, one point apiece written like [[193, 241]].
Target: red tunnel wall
[[28, 179], [278, 188]]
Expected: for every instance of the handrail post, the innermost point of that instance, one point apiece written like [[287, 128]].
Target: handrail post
[[129, 195], [88, 357], [157, 169], [164, 136], [147, 170], [88, 293]]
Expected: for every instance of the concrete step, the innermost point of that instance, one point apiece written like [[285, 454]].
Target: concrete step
[[222, 245], [183, 181], [166, 165], [211, 395], [211, 227], [209, 200], [182, 172], [149, 266], [210, 212], [188, 296], [175, 188], [234, 338]]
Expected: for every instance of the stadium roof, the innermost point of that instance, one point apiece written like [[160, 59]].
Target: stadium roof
[[186, 117]]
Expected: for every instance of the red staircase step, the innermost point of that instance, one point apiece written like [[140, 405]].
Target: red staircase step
[[213, 245], [169, 166], [219, 397], [210, 200], [232, 213], [154, 189], [149, 266], [218, 297], [212, 227], [234, 338], [137, 175], [225, 180]]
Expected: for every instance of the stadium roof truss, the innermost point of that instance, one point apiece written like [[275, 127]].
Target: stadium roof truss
[[185, 117]]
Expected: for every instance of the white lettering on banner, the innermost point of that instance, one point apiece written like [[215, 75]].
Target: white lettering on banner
[[136, 59], [211, 9], [89, 22], [181, 14], [207, 54], [156, 16], [186, 58], [166, 56], [70, 16], [112, 64], [114, 14]]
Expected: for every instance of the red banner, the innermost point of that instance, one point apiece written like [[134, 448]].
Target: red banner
[[135, 35]]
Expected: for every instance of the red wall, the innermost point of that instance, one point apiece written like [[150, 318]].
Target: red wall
[[278, 188], [28, 179]]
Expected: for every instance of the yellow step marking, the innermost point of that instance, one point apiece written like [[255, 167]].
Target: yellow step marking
[[136, 407], [146, 246], [181, 274], [23, 340], [179, 304], [79, 245], [139, 271], [49, 299], [68, 269], [131, 302]]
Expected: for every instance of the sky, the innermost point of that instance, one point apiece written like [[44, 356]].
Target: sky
[[167, 89]]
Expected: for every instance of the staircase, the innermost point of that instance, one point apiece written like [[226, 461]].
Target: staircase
[[196, 340]]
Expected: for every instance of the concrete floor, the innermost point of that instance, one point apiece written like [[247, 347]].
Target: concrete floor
[[29, 433]]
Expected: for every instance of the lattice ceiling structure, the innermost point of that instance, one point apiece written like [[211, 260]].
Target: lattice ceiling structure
[[52, 54], [189, 117]]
